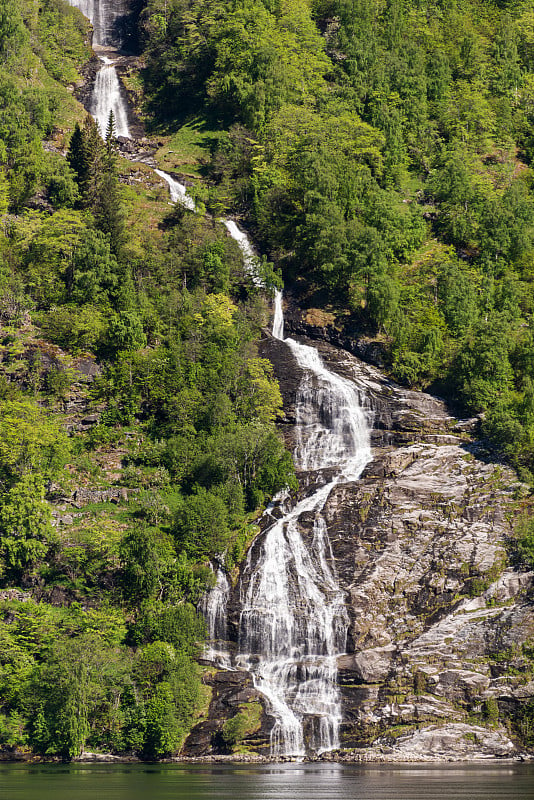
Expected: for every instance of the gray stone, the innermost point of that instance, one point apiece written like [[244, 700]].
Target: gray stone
[[420, 546]]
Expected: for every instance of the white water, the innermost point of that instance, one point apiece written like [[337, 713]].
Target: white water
[[213, 607], [178, 193], [102, 14], [107, 97], [293, 621], [278, 321], [249, 257], [177, 190], [92, 10]]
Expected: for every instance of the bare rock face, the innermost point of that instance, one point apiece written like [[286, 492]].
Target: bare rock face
[[421, 547], [438, 616], [452, 742]]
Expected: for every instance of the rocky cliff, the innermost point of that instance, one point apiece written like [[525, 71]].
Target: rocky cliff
[[441, 622]]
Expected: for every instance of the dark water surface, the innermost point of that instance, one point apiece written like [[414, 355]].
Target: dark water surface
[[266, 782]]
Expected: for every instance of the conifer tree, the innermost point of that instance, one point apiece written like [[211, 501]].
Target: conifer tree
[[94, 154], [107, 209], [110, 137], [76, 155]]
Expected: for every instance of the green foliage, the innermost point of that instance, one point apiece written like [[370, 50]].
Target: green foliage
[[380, 154], [94, 164], [201, 525], [12, 32], [148, 560], [171, 688], [30, 440], [246, 721], [172, 319], [77, 329], [234, 730], [70, 690], [491, 711], [25, 525], [413, 137], [525, 540]]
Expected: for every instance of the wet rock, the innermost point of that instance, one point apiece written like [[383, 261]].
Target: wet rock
[[420, 546]]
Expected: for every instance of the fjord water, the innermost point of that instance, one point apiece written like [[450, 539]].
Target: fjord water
[[266, 782]]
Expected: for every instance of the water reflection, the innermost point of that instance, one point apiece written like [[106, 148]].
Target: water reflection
[[269, 782]]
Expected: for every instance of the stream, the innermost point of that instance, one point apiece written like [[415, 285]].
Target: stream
[[293, 622]]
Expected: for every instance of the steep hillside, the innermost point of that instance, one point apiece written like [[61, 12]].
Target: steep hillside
[[379, 153], [439, 649], [137, 435]]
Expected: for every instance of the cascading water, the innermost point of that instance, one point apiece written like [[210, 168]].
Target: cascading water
[[107, 97], [103, 16], [177, 190], [92, 10], [213, 607], [293, 620], [249, 257]]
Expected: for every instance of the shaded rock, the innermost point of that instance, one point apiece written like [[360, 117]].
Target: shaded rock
[[81, 497], [368, 666], [420, 545]]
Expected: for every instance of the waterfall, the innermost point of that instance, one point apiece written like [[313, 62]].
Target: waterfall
[[177, 190], [278, 321], [92, 10], [249, 256], [107, 97], [213, 607], [293, 620], [103, 16]]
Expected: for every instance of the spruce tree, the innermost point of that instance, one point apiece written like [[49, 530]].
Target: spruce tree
[[108, 210], [94, 153], [76, 155]]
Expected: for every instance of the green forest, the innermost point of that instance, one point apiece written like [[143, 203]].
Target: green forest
[[379, 152]]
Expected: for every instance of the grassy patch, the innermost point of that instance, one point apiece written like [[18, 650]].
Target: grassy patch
[[188, 150]]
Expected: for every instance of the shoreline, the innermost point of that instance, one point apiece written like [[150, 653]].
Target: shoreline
[[361, 758]]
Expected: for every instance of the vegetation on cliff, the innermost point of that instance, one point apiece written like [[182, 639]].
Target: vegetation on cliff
[[129, 372], [381, 151]]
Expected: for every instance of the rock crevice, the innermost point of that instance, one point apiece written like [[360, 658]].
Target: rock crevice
[[439, 618]]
